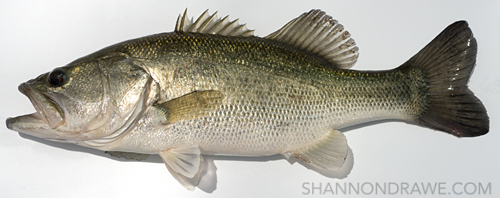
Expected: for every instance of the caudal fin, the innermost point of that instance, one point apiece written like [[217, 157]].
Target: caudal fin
[[447, 63]]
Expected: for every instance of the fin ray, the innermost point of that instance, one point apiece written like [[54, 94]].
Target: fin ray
[[191, 106], [211, 24], [447, 63], [184, 164], [320, 34], [328, 153], [185, 161], [188, 183]]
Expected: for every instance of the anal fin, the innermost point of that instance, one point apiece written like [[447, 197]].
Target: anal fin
[[328, 153]]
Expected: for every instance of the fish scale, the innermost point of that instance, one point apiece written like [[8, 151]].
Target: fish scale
[[211, 87], [264, 98]]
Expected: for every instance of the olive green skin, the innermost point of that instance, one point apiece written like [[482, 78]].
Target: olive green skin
[[276, 97]]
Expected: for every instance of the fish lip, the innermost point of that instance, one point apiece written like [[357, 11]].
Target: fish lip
[[28, 92], [11, 121], [42, 111], [31, 124]]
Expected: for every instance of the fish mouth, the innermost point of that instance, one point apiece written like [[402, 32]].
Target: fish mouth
[[47, 109]]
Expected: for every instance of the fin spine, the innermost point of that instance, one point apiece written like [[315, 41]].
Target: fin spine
[[211, 24]]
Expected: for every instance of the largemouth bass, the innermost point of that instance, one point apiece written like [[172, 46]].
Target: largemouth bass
[[212, 88]]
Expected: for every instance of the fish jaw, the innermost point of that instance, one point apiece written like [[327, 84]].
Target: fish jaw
[[44, 121], [46, 107], [31, 124]]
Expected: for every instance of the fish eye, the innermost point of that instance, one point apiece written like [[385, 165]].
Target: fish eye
[[56, 77]]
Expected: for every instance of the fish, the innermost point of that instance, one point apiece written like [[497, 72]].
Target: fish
[[211, 87]]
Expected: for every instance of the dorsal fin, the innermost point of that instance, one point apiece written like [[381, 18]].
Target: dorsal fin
[[211, 24], [320, 34]]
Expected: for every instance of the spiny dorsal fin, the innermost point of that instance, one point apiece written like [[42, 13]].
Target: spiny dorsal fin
[[211, 24], [321, 34]]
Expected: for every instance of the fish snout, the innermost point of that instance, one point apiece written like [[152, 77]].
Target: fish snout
[[9, 122]]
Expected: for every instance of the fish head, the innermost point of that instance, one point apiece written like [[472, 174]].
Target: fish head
[[86, 100], [68, 100]]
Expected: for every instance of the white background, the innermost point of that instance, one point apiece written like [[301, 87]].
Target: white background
[[35, 37]]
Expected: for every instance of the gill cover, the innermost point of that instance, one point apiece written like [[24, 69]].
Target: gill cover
[[128, 88]]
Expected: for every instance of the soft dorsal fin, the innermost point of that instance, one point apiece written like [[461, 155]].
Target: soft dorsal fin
[[211, 24], [320, 34]]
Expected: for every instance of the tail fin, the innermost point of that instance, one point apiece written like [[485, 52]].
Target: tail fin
[[447, 63]]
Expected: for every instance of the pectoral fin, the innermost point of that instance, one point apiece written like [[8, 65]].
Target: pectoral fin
[[328, 153], [191, 106], [185, 164]]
